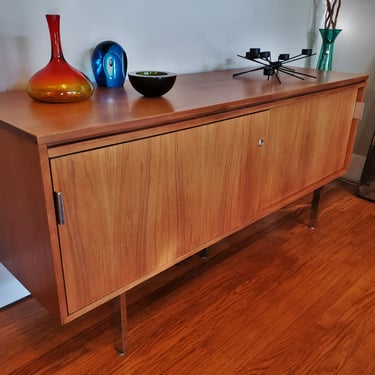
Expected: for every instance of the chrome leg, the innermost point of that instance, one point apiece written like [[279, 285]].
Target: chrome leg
[[121, 324], [204, 253], [314, 212]]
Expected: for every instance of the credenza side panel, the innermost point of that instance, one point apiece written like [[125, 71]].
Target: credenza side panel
[[27, 218], [136, 208]]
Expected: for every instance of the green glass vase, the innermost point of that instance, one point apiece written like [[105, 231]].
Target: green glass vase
[[326, 51]]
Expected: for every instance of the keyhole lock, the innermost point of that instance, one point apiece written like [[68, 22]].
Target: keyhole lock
[[261, 142]]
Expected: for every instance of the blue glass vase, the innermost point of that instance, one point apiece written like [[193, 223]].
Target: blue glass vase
[[109, 64], [326, 51]]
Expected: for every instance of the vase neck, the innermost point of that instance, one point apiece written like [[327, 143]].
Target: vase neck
[[53, 21], [329, 35]]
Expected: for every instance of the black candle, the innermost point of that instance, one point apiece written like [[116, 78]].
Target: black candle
[[307, 51], [253, 53], [284, 56]]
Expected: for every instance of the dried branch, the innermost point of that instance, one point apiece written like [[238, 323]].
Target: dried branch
[[332, 13]]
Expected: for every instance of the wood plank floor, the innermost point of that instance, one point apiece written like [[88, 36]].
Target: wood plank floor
[[276, 298]]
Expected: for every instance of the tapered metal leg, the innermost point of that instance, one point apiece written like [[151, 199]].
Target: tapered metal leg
[[314, 212], [121, 324], [204, 253]]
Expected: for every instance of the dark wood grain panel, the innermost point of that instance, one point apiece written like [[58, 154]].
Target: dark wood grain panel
[[28, 231]]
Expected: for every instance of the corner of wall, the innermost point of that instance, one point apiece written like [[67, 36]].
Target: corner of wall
[[355, 169]]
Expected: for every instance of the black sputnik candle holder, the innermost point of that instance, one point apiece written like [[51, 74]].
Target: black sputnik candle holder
[[272, 68]]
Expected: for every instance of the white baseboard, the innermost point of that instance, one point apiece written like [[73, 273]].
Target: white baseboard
[[11, 290], [355, 169]]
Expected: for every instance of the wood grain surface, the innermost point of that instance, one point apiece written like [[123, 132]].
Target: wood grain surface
[[121, 110], [275, 298], [136, 208]]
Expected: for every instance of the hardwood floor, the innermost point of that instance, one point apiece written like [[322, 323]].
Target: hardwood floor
[[275, 298]]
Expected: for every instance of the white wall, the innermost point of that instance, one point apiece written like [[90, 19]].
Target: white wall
[[184, 36], [176, 35], [355, 52]]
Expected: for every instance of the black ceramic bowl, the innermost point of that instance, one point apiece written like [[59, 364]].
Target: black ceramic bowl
[[152, 83]]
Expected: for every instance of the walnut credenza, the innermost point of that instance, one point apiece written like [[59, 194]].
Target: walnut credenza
[[98, 196]]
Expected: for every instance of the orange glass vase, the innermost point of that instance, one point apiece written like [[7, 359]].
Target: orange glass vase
[[58, 82]]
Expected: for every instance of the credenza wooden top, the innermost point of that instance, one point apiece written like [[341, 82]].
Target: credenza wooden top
[[112, 111]]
